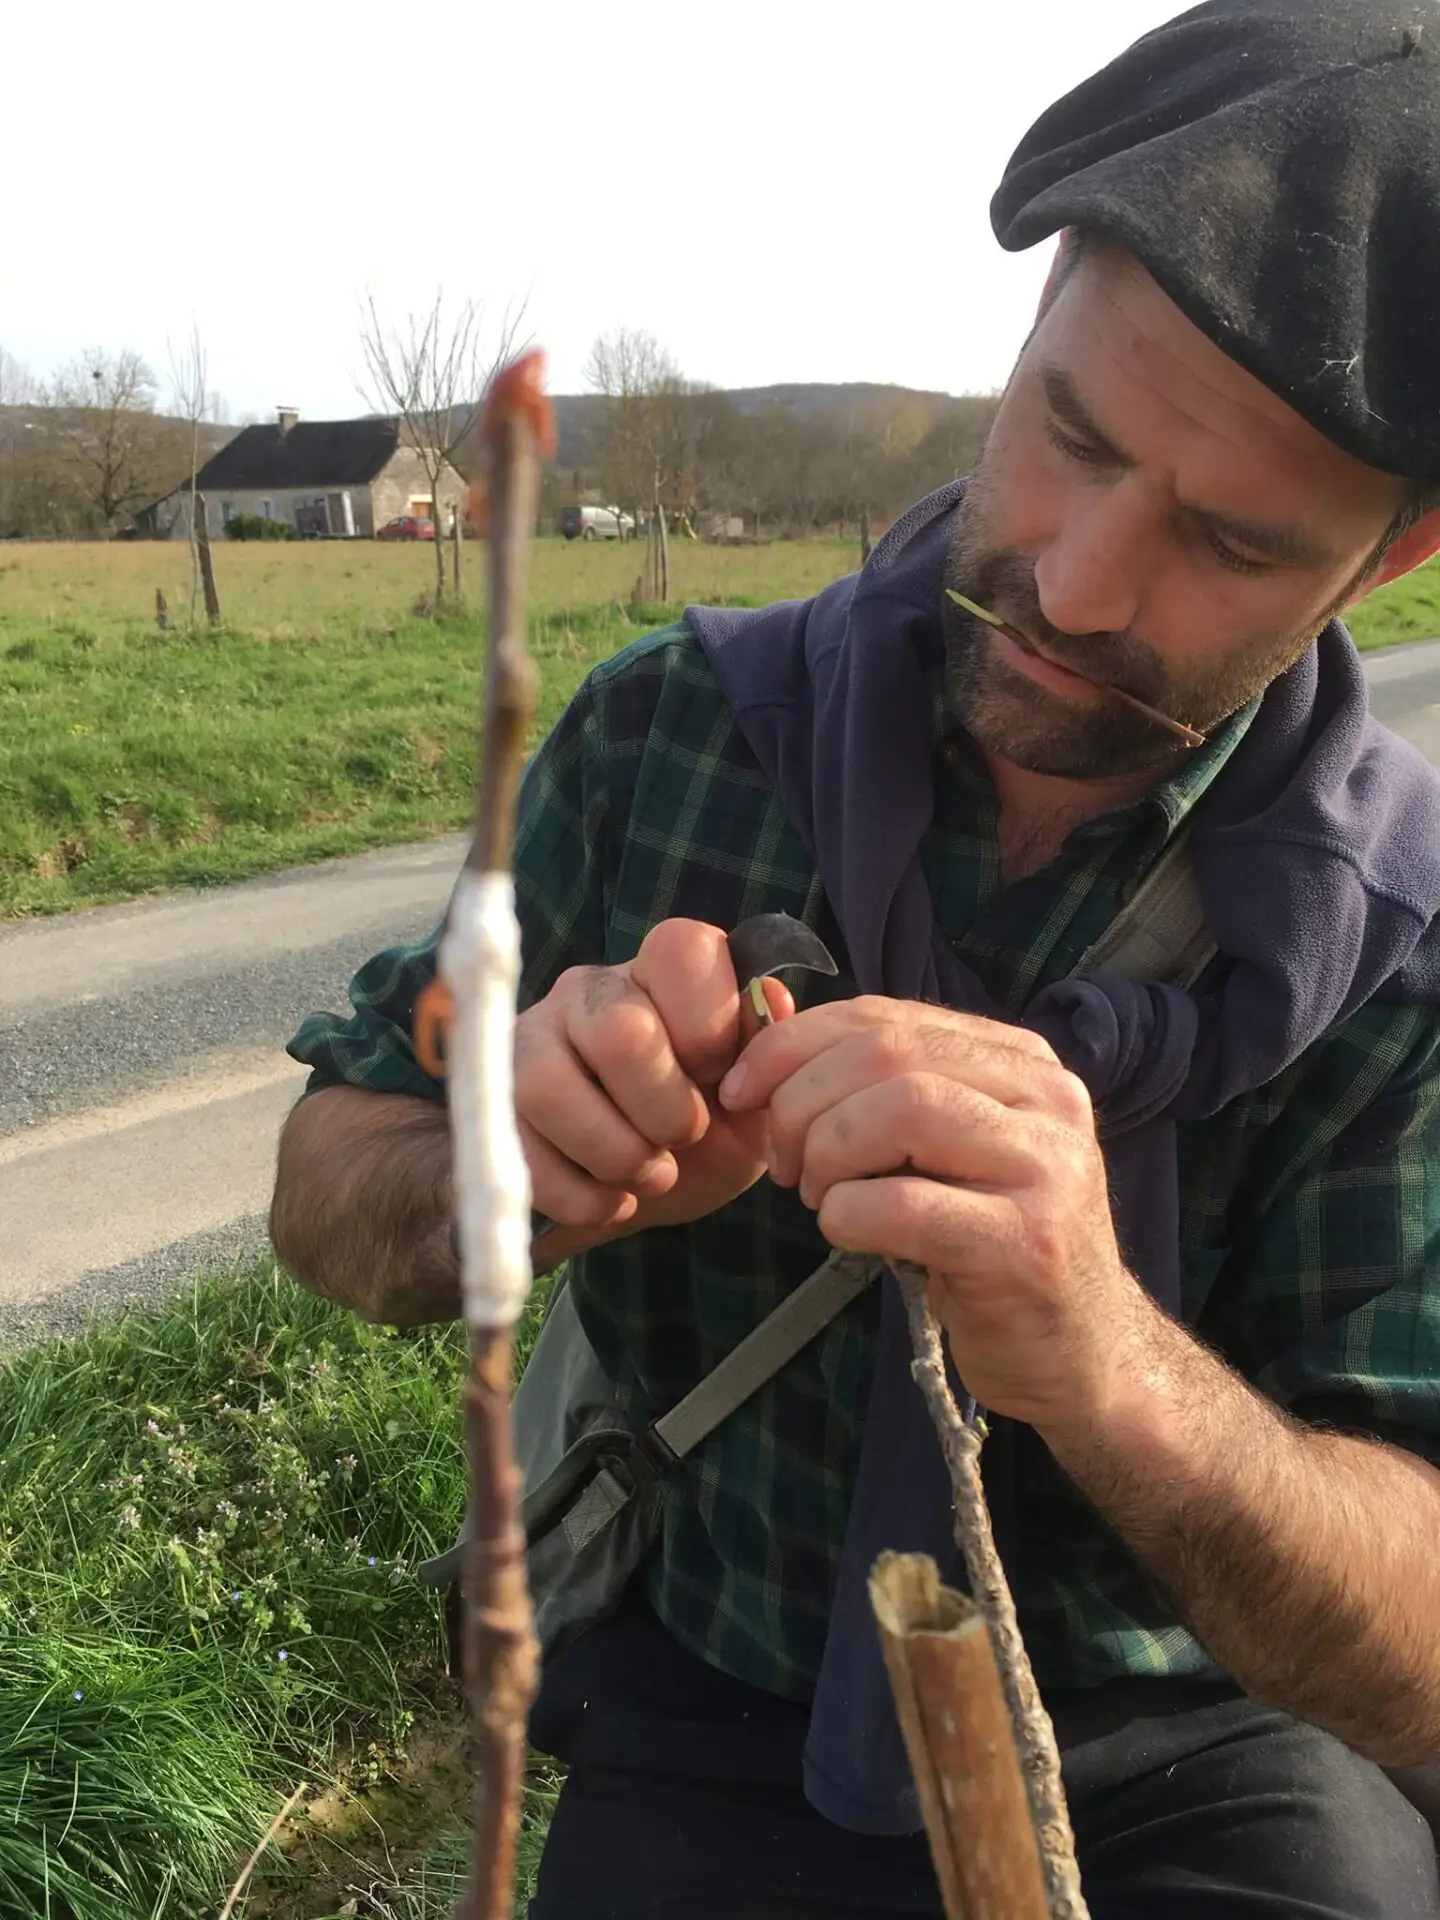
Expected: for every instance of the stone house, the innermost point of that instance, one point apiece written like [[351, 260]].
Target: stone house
[[337, 478]]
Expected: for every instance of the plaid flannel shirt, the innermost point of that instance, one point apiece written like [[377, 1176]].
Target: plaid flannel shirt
[[1309, 1210]]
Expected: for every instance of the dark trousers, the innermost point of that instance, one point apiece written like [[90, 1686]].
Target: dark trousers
[[684, 1800]]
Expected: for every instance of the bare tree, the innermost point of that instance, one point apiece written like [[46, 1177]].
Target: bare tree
[[120, 453], [430, 370], [196, 405], [640, 383], [17, 388]]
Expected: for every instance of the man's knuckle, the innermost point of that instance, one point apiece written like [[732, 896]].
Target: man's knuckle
[[573, 983], [872, 1009], [1071, 1098], [888, 1050]]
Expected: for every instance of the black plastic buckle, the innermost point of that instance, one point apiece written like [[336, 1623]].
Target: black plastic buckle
[[652, 1456]]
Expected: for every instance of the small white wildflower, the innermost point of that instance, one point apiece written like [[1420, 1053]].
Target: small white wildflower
[[129, 1517], [282, 1656], [79, 1694]]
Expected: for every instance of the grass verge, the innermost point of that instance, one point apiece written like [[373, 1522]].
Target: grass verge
[[326, 718], [208, 1517], [1407, 609], [163, 759]]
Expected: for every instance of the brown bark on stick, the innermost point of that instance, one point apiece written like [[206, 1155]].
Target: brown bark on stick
[[1033, 1733], [501, 1658], [501, 1655], [957, 1732]]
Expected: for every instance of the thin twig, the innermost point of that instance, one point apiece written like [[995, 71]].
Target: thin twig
[[1034, 1735], [250, 1865], [480, 961], [1180, 728]]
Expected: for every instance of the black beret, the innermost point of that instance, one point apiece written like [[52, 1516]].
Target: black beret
[[1275, 165]]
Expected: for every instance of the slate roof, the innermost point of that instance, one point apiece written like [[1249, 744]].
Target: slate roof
[[314, 453]]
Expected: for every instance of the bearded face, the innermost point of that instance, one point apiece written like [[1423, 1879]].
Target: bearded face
[[1073, 731]]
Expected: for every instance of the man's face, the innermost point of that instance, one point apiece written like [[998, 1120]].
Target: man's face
[[1146, 510]]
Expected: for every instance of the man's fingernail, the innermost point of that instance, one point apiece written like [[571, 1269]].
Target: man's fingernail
[[733, 1085]]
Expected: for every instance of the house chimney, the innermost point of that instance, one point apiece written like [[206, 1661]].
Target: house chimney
[[288, 418]]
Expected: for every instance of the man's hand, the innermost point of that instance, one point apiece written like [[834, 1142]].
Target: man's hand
[[963, 1145], [1304, 1561], [615, 1077]]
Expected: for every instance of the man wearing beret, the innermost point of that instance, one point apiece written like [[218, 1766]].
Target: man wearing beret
[[1184, 1239]]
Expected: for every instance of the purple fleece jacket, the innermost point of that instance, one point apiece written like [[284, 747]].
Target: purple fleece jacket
[[1317, 852]]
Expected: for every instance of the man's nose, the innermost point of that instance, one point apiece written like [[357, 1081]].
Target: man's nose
[[1091, 576]]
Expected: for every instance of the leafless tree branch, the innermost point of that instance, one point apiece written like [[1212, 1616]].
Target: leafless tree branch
[[429, 370]]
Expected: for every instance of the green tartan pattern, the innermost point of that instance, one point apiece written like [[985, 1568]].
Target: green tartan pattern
[[1308, 1211]]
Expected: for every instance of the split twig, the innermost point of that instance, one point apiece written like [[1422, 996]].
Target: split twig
[[250, 1865], [1034, 1735]]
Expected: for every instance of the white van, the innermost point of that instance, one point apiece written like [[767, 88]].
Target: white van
[[596, 523]]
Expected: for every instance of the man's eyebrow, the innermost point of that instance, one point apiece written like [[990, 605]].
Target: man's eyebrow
[[1067, 406], [1286, 546]]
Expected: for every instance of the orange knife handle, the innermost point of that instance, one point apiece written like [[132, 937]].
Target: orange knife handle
[[434, 1013]]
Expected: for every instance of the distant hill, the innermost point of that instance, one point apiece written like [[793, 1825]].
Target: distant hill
[[812, 398], [577, 413]]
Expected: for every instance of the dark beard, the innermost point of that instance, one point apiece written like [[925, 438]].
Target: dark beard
[[1007, 714]]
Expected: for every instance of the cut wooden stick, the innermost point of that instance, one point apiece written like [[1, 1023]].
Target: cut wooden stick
[[1033, 1734], [1178, 727], [956, 1724], [470, 1022]]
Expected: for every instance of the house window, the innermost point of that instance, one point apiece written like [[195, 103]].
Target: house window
[[227, 512], [267, 509]]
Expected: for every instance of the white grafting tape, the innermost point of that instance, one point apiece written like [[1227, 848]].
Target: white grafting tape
[[480, 962]]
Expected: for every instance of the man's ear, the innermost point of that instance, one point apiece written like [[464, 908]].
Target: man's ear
[[1411, 550]]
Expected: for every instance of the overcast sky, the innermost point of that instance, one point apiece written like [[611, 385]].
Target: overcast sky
[[777, 189]]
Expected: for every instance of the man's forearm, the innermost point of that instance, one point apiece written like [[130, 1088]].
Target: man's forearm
[[362, 1206], [1308, 1563]]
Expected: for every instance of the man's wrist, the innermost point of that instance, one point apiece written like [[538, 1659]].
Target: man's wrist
[[1131, 1410]]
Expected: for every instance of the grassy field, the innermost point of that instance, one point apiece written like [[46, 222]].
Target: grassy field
[[208, 1517], [325, 716]]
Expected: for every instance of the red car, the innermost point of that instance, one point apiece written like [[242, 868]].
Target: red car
[[406, 527]]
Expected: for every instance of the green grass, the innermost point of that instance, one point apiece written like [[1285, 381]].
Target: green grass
[[325, 718], [208, 1517], [1407, 609]]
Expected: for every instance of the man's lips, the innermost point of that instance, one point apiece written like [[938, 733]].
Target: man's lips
[[1028, 658], [1035, 666]]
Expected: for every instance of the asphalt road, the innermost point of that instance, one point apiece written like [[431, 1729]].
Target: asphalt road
[[143, 1077], [1405, 693]]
